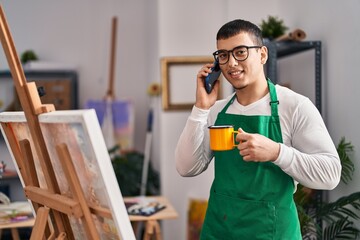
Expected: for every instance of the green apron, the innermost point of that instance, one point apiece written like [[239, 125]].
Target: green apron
[[251, 200]]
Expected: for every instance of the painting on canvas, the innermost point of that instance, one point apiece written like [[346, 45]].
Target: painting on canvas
[[81, 132]]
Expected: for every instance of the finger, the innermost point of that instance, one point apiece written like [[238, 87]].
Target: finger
[[242, 146], [201, 74], [241, 136], [216, 87], [240, 130], [245, 154], [206, 69], [248, 158]]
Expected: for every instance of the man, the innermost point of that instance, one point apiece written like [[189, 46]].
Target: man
[[282, 141]]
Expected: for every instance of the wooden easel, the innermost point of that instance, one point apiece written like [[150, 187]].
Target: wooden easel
[[52, 208]]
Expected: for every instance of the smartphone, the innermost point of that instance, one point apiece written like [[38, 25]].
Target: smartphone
[[212, 77]]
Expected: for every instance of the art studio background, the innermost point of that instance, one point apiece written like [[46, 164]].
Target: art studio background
[[76, 35]]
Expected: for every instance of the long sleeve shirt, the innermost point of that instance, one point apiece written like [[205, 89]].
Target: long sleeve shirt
[[307, 153]]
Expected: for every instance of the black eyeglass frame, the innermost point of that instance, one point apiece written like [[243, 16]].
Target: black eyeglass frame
[[232, 53]]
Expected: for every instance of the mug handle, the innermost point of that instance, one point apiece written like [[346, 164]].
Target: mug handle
[[235, 132]]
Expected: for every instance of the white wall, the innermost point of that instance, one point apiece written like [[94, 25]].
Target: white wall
[[78, 32]]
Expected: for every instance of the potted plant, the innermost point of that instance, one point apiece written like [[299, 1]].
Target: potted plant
[[333, 220], [128, 169], [28, 55], [272, 27]]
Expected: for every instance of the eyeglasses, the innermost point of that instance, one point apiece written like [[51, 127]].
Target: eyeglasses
[[240, 53]]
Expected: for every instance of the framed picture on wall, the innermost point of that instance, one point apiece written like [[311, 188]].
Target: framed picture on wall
[[178, 76]]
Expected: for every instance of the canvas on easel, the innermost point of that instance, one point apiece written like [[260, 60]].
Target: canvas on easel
[[80, 131], [63, 164]]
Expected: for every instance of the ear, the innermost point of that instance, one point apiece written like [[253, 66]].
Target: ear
[[264, 54]]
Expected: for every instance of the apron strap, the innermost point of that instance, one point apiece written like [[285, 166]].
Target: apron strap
[[274, 102]]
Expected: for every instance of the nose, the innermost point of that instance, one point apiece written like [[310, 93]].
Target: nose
[[232, 61]]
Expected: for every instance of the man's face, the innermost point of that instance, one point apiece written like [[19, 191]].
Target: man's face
[[243, 73]]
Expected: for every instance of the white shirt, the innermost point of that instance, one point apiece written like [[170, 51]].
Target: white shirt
[[307, 153]]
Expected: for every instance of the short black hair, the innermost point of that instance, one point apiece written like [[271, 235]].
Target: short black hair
[[237, 26]]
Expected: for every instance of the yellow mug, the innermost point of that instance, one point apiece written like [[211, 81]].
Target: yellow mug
[[222, 137]]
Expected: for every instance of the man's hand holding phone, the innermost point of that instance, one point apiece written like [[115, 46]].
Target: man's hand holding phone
[[212, 77], [207, 85]]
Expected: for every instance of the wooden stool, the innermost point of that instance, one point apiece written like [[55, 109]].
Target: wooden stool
[[152, 228]]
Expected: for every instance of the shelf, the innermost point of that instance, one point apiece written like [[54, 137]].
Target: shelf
[[289, 48], [60, 86], [281, 49]]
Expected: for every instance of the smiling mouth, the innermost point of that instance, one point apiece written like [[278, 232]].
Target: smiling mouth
[[235, 73]]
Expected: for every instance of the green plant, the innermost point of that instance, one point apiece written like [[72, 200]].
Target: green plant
[[344, 149], [272, 27], [333, 220], [28, 55], [128, 170]]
